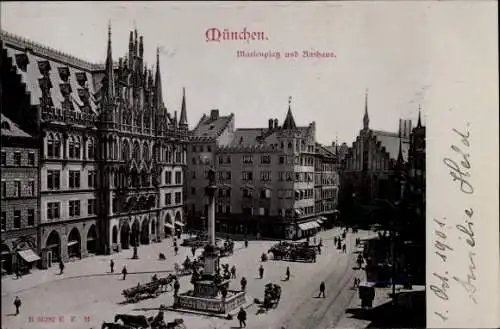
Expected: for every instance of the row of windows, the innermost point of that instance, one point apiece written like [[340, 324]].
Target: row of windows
[[325, 167], [201, 148], [74, 148], [54, 208], [266, 159], [321, 207], [178, 178], [18, 189], [18, 159], [177, 198], [74, 179], [17, 219], [304, 194]]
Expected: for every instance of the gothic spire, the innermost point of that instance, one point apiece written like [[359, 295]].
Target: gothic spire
[[366, 118], [289, 120], [183, 119], [419, 123], [110, 88], [158, 99]]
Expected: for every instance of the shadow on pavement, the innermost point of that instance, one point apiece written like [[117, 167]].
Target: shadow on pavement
[[402, 315]]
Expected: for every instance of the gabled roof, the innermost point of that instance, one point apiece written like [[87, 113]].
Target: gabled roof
[[29, 65], [211, 128], [11, 129]]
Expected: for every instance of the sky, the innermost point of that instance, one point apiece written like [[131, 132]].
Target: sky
[[382, 48]]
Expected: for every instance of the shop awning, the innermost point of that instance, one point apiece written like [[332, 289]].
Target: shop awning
[[308, 226], [28, 255], [72, 243], [179, 223], [170, 226]]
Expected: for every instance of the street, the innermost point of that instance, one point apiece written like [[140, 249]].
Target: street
[[86, 294]]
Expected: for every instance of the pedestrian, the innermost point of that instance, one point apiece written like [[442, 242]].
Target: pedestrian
[[177, 286], [343, 248], [124, 272], [242, 317], [243, 283], [61, 267], [176, 250], [193, 250], [112, 266], [246, 243], [233, 272], [18, 272], [322, 289], [287, 273], [17, 304], [261, 271]]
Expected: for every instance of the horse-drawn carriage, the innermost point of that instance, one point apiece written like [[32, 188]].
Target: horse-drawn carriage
[[127, 321], [149, 290], [294, 252], [227, 248], [272, 295]]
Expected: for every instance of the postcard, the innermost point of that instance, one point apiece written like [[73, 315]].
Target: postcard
[[274, 165]]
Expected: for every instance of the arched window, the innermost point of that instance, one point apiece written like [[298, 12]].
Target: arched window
[[74, 148], [90, 148], [53, 146], [115, 149], [125, 151], [145, 151], [137, 152], [289, 146]]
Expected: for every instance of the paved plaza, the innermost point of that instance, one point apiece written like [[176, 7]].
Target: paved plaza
[[86, 294]]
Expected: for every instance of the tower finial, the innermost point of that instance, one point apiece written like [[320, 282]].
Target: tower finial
[[289, 122], [183, 119], [110, 87], [419, 123], [366, 118]]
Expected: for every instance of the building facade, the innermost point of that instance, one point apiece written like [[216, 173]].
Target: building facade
[[326, 185], [19, 193], [212, 130], [111, 157], [265, 177], [370, 164]]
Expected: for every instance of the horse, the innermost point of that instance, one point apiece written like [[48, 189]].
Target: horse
[[139, 321], [111, 325]]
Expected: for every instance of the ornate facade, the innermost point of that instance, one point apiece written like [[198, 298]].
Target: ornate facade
[[111, 157], [370, 164]]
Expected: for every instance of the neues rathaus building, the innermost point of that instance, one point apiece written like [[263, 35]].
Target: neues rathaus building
[[111, 157]]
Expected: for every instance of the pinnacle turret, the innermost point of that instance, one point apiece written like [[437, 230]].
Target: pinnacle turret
[[289, 120], [183, 119]]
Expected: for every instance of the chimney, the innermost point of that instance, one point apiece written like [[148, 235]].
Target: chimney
[[400, 131], [276, 126], [270, 124], [214, 115]]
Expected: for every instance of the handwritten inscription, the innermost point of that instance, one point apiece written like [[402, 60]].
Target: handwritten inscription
[[460, 171], [445, 246]]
